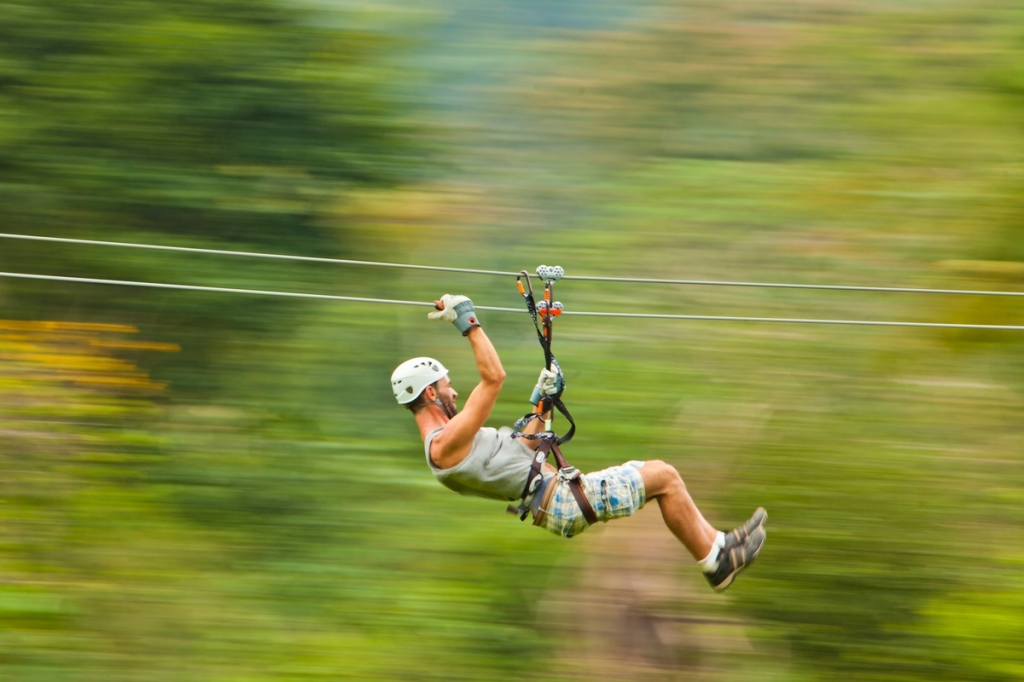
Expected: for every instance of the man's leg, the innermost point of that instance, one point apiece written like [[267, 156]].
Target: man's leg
[[681, 515]]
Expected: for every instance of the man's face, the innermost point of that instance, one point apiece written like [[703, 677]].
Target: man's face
[[447, 395]]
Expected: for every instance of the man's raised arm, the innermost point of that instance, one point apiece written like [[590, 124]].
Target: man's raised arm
[[453, 444]]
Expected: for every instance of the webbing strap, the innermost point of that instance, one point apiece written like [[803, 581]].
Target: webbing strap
[[559, 457], [581, 499], [533, 479], [575, 486], [557, 402]]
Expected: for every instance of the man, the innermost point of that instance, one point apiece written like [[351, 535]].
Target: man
[[472, 459]]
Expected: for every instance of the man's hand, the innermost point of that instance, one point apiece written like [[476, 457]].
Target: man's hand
[[456, 309], [548, 383]]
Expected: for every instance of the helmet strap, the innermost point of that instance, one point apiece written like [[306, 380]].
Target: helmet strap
[[444, 409], [424, 402]]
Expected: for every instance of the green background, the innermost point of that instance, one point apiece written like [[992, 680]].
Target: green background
[[199, 486]]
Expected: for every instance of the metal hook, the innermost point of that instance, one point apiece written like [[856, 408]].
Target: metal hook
[[519, 282]]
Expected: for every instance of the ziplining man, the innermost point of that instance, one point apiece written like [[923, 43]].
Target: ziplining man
[[473, 459]]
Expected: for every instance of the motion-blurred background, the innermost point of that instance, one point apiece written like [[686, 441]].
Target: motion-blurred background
[[199, 486]]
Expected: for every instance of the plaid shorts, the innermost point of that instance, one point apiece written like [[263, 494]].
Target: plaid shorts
[[613, 493]]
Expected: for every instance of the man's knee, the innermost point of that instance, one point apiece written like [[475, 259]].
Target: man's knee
[[661, 477], [663, 469]]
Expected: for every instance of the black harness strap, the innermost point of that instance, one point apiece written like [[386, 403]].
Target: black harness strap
[[549, 440], [544, 337], [533, 480]]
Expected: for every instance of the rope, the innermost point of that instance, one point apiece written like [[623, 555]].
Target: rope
[[357, 299], [579, 278]]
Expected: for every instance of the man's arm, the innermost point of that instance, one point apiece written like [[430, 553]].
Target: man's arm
[[453, 443], [535, 426]]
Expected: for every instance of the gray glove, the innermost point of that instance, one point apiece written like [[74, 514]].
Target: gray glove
[[458, 310], [549, 383]]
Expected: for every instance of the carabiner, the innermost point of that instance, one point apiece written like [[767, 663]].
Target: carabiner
[[519, 283]]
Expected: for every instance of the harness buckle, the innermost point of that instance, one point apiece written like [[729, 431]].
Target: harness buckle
[[569, 473], [523, 508]]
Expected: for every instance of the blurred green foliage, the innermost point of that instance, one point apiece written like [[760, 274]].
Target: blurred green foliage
[[223, 124], [280, 523]]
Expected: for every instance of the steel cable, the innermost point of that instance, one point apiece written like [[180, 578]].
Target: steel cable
[[578, 278], [253, 254], [357, 299]]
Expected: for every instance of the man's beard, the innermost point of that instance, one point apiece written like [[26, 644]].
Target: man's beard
[[449, 409]]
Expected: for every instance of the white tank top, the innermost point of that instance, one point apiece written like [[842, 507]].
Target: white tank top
[[496, 466]]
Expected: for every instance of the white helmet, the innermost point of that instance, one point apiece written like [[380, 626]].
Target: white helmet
[[412, 376]]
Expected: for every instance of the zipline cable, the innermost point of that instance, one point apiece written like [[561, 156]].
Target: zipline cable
[[228, 290], [659, 316], [580, 278], [776, 285], [252, 254]]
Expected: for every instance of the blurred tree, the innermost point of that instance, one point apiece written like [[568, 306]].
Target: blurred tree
[[228, 124]]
